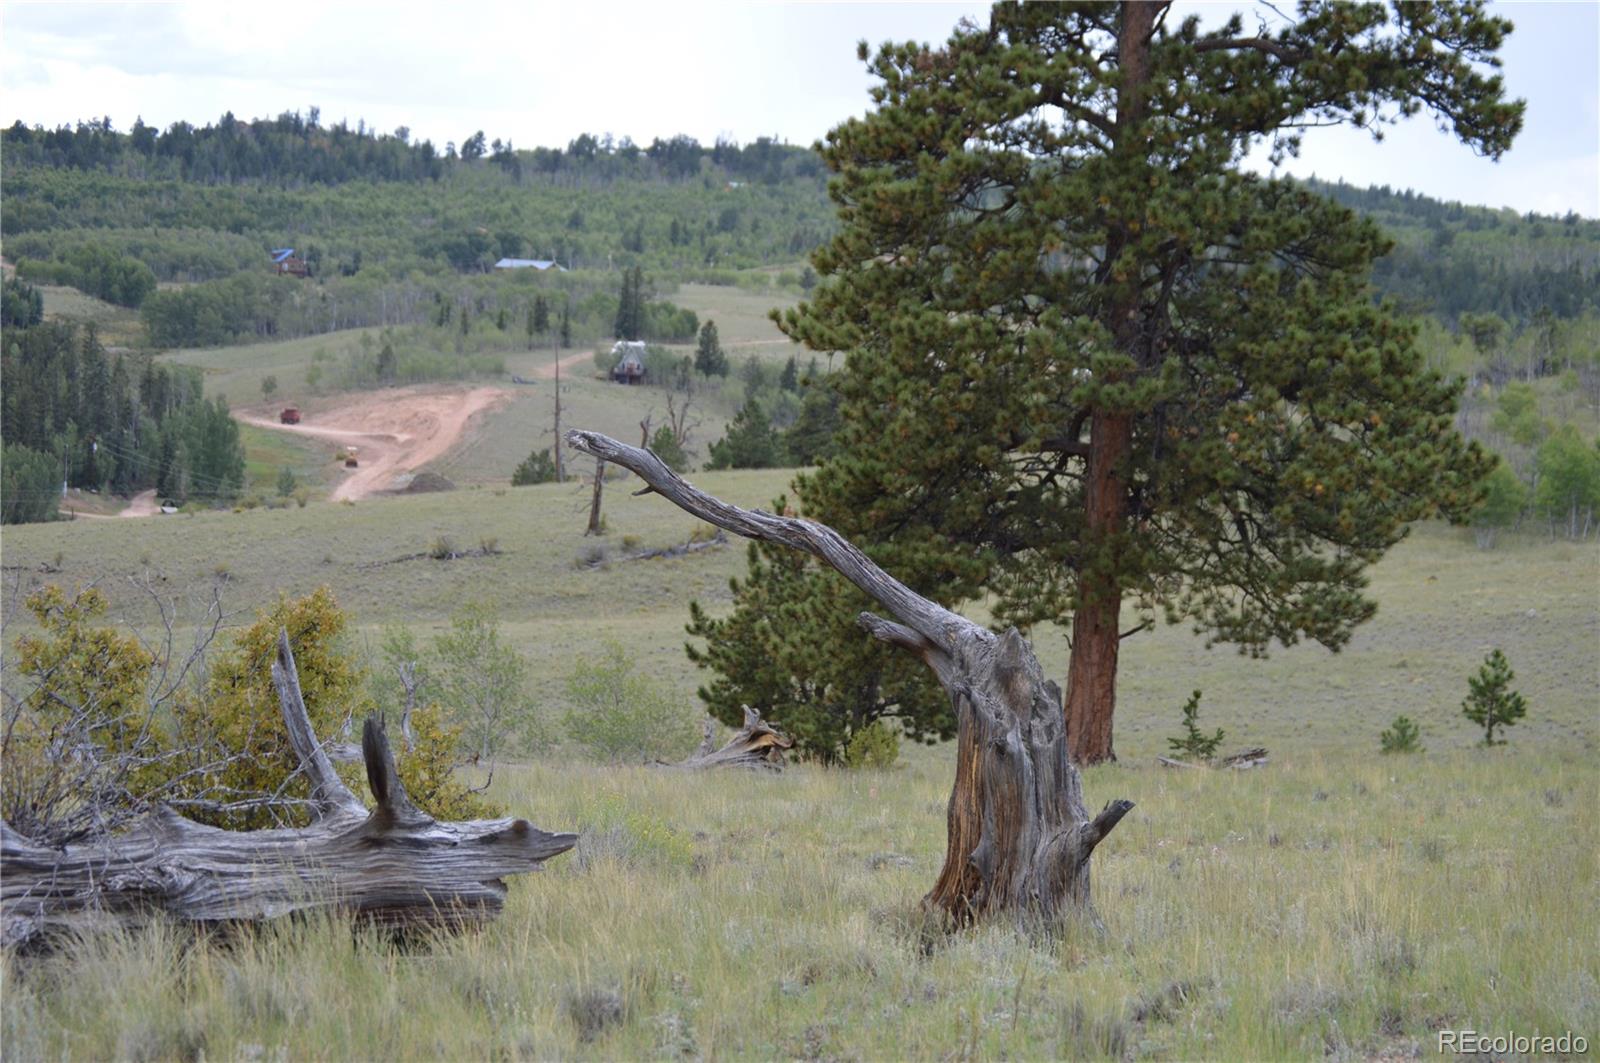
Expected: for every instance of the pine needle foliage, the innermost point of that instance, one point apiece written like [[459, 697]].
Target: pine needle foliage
[[1491, 703], [1402, 736], [1093, 360], [1195, 743]]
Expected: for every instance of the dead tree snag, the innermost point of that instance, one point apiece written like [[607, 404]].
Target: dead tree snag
[[1020, 837]]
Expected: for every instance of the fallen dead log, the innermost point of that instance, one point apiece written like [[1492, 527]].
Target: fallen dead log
[[1240, 761], [682, 549], [393, 864], [1248, 758], [1019, 836], [757, 745]]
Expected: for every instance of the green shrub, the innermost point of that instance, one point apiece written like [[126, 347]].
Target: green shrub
[[875, 747], [617, 715], [669, 449], [238, 712], [483, 680], [1195, 744], [1402, 736], [538, 468]]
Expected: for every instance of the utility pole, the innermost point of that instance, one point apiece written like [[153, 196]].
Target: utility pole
[[561, 474]]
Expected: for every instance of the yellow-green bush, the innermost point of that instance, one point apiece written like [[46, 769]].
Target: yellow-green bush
[[240, 713], [238, 710], [428, 770], [875, 746], [80, 744]]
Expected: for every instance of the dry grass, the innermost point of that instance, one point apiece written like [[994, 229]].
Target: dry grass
[[1335, 903], [1442, 605], [751, 917]]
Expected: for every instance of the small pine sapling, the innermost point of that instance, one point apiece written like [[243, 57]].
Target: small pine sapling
[[1402, 736], [1490, 700], [1195, 744]]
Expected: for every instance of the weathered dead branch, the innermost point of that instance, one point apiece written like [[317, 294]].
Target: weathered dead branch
[[393, 864], [1240, 761], [680, 550], [1020, 836], [757, 745]]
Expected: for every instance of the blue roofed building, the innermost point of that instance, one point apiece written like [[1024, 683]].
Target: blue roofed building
[[540, 264], [286, 262]]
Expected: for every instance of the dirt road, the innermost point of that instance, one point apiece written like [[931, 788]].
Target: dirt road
[[548, 372], [393, 431], [142, 504]]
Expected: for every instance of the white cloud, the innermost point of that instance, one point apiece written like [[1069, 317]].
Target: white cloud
[[540, 73]]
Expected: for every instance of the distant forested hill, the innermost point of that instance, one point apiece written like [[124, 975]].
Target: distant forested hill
[[389, 227], [1451, 259], [352, 199], [179, 223]]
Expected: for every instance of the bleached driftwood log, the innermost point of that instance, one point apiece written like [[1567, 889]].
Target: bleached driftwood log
[[1019, 835], [756, 745], [393, 864], [1241, 761]]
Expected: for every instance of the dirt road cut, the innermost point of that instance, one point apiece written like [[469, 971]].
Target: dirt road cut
[[394, 431]]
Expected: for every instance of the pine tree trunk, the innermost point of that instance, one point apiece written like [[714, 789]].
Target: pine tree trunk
[[1092, 670], [1092, 682]]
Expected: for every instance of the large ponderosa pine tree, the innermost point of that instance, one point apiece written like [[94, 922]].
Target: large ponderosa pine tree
[[1093, 363]]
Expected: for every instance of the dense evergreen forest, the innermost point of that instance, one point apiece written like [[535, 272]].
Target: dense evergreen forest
[[75, 413], [1451, 259]]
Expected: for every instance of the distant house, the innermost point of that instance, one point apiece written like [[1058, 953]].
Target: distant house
[[540, 264], [286, 262], [630, 366]]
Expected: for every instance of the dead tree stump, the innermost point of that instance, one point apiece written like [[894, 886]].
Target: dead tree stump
[[1020, 836], [395, 864]]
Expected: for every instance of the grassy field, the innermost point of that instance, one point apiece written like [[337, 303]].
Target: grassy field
[[1331, 905], [506, 436], [267, 452], [236, 372], [743, 326], [117, 326], [1334, 903], [1443, 605]]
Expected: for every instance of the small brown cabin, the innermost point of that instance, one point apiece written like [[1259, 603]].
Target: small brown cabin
[[287, 263]]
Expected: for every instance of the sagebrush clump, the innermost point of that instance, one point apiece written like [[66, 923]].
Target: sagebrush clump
[[618, 715]]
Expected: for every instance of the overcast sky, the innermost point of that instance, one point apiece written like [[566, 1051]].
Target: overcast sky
[[539, 73]]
